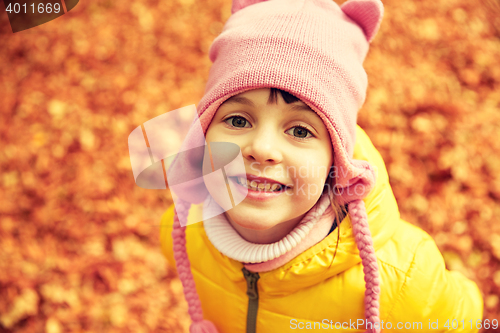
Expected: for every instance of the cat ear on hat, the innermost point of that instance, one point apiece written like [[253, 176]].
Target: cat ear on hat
[[240, 4], [366, 13]]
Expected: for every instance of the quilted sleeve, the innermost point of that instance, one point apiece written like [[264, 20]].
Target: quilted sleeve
[[433, 296]]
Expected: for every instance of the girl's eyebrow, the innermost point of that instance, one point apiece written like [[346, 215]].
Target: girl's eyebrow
[[240, 100], [300, 107]]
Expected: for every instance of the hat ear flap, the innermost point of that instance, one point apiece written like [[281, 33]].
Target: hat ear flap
[[366, 13], [240, 4]]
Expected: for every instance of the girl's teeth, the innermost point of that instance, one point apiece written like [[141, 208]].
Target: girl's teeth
[[258, 186]]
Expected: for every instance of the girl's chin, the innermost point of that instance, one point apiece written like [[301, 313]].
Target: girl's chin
[[251, 224], [260, 221], [243, 220]]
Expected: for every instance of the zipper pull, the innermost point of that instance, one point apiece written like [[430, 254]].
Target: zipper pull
[[251, 279]]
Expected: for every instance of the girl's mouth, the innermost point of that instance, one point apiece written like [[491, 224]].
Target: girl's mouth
[[258, 186]]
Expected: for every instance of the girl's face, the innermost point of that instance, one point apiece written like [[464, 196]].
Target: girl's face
[[287, 154]]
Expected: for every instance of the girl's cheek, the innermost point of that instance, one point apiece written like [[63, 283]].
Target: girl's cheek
[[314, 168], [308, 188]]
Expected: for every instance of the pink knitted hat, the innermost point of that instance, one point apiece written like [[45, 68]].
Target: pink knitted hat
[[314, 50]]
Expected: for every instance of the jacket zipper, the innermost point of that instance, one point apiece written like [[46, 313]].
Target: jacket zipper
[[253, 299]]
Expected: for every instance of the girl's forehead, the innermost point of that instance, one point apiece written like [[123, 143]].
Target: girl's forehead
[[268, 96]]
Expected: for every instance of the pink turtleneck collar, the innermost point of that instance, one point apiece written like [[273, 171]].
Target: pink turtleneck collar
[[314, 227]]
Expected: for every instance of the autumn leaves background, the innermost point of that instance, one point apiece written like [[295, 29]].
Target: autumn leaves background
[[79, 240]]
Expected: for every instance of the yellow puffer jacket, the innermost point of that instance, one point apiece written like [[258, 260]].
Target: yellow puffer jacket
[[416, 289]]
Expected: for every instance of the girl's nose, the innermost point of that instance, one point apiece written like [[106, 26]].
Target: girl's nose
[[263, 147]]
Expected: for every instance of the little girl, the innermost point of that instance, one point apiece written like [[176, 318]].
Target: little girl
[[317, 242]]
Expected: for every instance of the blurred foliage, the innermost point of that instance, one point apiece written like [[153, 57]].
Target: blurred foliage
[[79, 240]]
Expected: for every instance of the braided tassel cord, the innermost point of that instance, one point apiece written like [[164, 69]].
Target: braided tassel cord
[[364, 243], [183, 265]]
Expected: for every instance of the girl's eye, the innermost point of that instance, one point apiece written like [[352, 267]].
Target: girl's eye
[[236, 121], [299, 132]]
